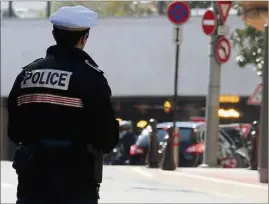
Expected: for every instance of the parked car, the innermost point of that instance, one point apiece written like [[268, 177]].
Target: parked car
[[240, 135], [139, 150], [246, 130], [191, 147], [229, 156], [234, 134]]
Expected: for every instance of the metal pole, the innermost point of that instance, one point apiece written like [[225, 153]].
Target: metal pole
[[10, 9], [177, 40], [212, 104], [48, 8], [263, 140], [176, 76], [161, 5]]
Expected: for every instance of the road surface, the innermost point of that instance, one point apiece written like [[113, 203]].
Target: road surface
[[136, 185]]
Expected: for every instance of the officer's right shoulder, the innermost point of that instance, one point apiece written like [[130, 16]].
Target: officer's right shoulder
[[93, 67], [33, 63]]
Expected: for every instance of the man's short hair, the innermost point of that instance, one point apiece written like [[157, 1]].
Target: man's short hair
[[68, 38]]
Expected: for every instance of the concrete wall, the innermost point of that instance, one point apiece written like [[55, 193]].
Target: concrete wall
[[136, 54]]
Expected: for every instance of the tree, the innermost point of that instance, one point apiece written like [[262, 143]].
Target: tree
[[162, 5], [128, 8], [250, 43], [200, 4]]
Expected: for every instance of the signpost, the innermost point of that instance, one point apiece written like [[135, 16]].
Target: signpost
[[224, 9], [220, 51], [223, 30], [209, 22], [223, 50], [178, 13], [256, 97]]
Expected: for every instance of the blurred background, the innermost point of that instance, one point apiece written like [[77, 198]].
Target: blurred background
[[133, 45]]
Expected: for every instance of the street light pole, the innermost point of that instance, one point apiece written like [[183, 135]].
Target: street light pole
[[10, 9]]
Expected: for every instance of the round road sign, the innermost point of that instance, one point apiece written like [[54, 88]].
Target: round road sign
[[209, 22], [178, 12], [223, 50]]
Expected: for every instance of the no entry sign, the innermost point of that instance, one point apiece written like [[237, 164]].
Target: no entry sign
[[223, 50], [209, 22], [178, 12]]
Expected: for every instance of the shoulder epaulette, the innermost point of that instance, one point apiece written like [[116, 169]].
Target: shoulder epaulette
[[33, 62], [93, 66]]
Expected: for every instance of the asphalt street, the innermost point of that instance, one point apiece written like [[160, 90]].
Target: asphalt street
[[122, 185]]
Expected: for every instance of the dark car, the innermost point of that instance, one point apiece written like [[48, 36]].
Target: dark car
[[139, 150], [190, 149], [234, 134], [244, 129], [190, 145], [228, 155], [242, 150]]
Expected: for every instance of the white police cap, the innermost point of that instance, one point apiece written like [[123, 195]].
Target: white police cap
[[74, 18]]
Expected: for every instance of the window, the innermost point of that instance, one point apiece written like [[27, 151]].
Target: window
[[161, 135], [226, 137], [222, 137], [201, 135], [233, 134], [143, 139], [186, 135]]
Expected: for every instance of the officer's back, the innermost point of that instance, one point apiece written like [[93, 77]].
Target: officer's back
[[59, 105]]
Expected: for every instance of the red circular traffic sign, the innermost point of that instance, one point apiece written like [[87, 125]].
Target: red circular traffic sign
[[223, 50], [178, 12], [209, 22]]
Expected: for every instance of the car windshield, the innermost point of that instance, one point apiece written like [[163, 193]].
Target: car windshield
[[185, 135], [226, 137], [232, 132], [143, 138]]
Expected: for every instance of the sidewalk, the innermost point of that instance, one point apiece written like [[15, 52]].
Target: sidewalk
[[236, 183], [238, 175], [126, 187]]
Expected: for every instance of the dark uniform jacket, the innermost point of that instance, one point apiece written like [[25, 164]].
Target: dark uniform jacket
[[63, 97]]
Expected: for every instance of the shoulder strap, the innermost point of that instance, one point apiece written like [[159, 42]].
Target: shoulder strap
[[93, 66], [37, 60]]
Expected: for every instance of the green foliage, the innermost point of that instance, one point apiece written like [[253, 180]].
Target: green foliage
[[250, 43], [200, 4]]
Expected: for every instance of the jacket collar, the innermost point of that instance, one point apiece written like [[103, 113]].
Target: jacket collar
[[73, 52]]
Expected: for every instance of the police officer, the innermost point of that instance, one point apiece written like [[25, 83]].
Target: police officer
[[61, 118]]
